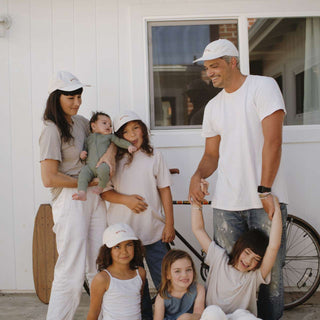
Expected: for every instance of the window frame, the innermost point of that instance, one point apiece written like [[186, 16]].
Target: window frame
[[171, 137], [173, 22]]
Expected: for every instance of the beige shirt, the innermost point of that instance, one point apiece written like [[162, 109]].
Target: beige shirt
[[229, 288], [143, 177], [68, 154]]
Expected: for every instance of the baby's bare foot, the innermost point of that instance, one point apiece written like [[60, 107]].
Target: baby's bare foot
[[82, 196], [96, 189]]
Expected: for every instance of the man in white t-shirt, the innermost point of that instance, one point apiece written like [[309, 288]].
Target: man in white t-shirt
[[243, 130]]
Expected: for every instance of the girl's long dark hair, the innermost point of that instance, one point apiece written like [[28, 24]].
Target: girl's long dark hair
[[145, 147], [104, 259], [54, 112]]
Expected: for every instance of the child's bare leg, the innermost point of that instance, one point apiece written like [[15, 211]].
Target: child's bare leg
[[97, 190], [81, 195]]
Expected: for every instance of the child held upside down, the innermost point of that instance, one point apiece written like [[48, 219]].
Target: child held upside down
[[95, 146]]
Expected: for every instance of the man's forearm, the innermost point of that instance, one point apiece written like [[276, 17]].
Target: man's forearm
[[271, 156], [271, 152], [207, 166]]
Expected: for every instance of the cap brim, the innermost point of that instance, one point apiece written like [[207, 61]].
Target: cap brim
[[114, 243], [118, 124], [209, 57], [69, 88], [212, 57]]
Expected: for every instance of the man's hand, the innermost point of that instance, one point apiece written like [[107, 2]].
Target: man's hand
[[197, 192], [168, 233], [268, 205], [136, 203], [83, 155]]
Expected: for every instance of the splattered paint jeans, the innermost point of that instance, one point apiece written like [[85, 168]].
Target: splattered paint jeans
[[228, 226]]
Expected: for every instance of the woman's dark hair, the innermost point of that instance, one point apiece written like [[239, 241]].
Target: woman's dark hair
[[171, 257], [254, 239], [55, 113], [145, 147], [95, 116], [104, 259]]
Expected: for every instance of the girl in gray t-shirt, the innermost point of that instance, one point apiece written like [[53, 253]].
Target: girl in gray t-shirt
[[233, 281]]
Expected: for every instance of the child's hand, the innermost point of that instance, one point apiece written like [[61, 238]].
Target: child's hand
[[204, 185], [83, 155], [136, 203], [198, 189], [168, 233], [268, 204], [132, 149]]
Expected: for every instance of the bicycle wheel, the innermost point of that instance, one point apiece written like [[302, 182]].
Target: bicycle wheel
[[301, 272]]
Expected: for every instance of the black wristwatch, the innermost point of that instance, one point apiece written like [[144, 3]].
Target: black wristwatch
[[262, 189]]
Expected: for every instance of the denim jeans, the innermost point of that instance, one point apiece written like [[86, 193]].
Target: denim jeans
[[229, 225], [154, 256]]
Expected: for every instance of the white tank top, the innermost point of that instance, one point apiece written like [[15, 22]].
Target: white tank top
[[122, 300]]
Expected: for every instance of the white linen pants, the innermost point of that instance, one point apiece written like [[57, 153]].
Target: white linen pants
[[215, 313], [79, 227]]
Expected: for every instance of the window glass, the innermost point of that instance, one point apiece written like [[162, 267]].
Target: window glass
[[179, 88], [288, 49]]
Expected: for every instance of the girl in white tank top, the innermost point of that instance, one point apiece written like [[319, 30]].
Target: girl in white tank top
[[116, 289]]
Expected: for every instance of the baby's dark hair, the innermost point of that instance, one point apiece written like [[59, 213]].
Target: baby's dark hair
[[145, 147], [104, 259], [254, 239], [171, 257], [95, 116]]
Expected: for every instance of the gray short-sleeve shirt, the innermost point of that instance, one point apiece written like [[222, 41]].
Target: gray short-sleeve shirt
[[67, 153]]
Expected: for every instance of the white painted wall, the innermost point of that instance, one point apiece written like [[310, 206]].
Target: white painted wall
[[104, 43]]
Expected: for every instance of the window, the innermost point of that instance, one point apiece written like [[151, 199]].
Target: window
[[179, 89], [290, 47]]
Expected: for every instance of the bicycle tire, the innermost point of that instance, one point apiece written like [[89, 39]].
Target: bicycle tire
[[301, 272]]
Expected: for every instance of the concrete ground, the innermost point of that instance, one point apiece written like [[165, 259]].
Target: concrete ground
[[27, 306]]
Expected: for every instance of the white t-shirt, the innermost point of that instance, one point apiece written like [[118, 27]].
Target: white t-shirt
[[68, 154], [229, 288], [237, 117], [143, 176]]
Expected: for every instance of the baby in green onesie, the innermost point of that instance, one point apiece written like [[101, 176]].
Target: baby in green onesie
[[95, 146]]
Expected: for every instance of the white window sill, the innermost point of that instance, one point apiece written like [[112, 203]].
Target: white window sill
[[182, 138]]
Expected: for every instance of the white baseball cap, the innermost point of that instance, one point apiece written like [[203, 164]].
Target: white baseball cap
[[65, 81], [217, 49], [117, 233], [213, 312], [124, 118]]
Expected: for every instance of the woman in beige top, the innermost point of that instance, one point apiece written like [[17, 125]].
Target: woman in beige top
[[78, 225]]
